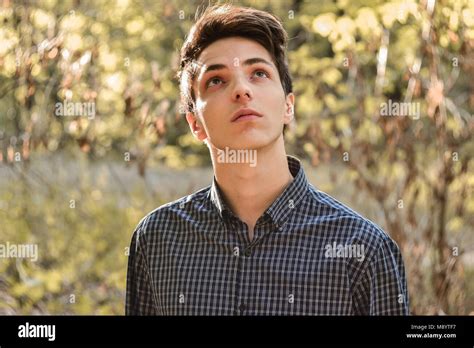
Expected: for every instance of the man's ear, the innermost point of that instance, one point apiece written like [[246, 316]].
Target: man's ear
[[289, 108], [196, 126]]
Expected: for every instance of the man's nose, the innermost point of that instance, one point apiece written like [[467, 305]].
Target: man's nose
[[241, 91]]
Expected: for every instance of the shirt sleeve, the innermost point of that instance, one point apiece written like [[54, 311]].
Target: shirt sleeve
[[382, 288], [139, 299]]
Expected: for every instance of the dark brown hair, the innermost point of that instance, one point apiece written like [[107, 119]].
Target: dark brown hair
[[222, 21]]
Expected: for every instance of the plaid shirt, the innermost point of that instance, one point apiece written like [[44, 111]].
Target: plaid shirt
[[310, 255]]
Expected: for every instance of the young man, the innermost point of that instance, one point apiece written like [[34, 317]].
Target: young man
[[261, 240]]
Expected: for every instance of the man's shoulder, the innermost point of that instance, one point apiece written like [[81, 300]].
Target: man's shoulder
[[354, 227], [185, 202], [170, 212]]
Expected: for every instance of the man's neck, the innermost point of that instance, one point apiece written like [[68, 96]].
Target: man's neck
[[250, 190]]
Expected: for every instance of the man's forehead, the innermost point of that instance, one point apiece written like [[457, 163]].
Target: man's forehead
[[237, 50], [232, 47]]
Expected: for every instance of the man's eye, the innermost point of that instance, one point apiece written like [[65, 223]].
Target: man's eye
[[261, 73], [217, 80], [213, 81]]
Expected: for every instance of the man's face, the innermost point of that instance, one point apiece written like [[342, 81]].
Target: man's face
[[236, 73]]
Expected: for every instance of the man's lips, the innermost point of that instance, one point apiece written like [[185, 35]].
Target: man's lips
[[246, 118], [245, 114]]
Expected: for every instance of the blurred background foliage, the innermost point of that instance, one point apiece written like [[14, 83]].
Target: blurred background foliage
[[77, 186]]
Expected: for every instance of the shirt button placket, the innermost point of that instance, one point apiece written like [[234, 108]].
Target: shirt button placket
[[246, 252]]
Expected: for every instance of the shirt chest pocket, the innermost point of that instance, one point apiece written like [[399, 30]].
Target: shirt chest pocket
[[197, 284]]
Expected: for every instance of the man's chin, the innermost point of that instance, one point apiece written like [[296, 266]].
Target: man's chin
[[250, 144], [247, 141]]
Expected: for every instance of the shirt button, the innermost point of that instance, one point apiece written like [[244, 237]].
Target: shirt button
[[242, 307], [248, 252]]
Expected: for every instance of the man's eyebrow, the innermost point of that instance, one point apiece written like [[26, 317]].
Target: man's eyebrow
[[246, 62]]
